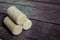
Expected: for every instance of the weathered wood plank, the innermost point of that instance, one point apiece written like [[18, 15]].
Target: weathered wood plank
[[38, 11], [1, 19], [45, 31], [39, 31], [34, 10], [42, 1], [48, 1], [20, 2], [6, 35]]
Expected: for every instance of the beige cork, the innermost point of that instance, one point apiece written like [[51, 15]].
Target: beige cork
[[16, 15], [27, 25], [15, 29]]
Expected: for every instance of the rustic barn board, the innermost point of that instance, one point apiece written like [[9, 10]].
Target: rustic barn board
[[45, 15], [39, 11], [57, 2], [39, 31], [45, 31], [20, 2], [42, 1], [2, 18], [6, 35]]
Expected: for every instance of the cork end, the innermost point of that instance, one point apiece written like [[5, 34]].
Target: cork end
[[27, 25], [17, 30]]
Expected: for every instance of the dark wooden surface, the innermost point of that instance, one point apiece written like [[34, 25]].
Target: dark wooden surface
[[45, 15], [36, 10]]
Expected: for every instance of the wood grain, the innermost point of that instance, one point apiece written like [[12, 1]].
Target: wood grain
[[39, 11], [57, 2], [45, 15], [39, 30]]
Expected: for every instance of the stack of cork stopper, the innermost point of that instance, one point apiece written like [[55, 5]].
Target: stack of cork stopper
[[16, 21]]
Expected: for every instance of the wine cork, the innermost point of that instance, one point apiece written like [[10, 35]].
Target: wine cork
[[27, 25], [15, 29], [16, 15]]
